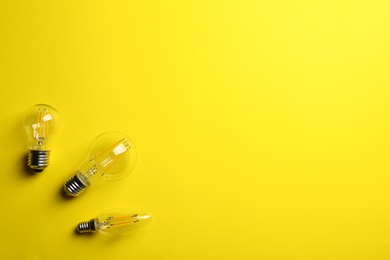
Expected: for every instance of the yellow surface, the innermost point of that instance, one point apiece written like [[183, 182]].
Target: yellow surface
[[262, 127]]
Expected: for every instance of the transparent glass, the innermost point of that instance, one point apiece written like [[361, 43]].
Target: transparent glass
[[41, 123], [111, 156], [119, 222]]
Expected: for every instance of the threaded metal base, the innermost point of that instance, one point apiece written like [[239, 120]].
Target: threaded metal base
[[38, 160], [86, 227], [74, 186]]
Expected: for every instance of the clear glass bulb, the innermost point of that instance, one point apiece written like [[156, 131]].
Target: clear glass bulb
[[41, 123], [111, 156], [115, 222]]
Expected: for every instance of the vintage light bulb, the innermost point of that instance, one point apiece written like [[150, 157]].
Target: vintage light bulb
[[115, 222], [111, 156], [41, 123]]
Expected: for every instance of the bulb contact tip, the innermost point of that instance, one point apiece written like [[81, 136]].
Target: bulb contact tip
[[74, 186], [38, 160]]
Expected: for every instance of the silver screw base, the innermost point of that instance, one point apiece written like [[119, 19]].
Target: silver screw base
[[87, 226], [74, 186], [38, 160]]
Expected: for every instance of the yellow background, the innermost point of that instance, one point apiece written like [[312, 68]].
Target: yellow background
[[262, 127]]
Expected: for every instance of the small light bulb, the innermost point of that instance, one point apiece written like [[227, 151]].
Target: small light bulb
[[111, 156], [41, 123], [115, 222]]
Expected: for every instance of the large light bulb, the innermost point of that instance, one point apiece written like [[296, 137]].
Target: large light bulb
[[111, 156], [115, 222], [41, 123]]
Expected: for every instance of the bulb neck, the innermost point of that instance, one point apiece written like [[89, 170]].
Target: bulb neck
[[87, 226], [74, 186], [38, 160]]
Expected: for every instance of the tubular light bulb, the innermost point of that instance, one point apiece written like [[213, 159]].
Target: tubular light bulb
[[41, 123], [111, 156], [115, 223]]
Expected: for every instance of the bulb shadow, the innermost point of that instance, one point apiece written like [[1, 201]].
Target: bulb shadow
[[107, 240], [77, 234]]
